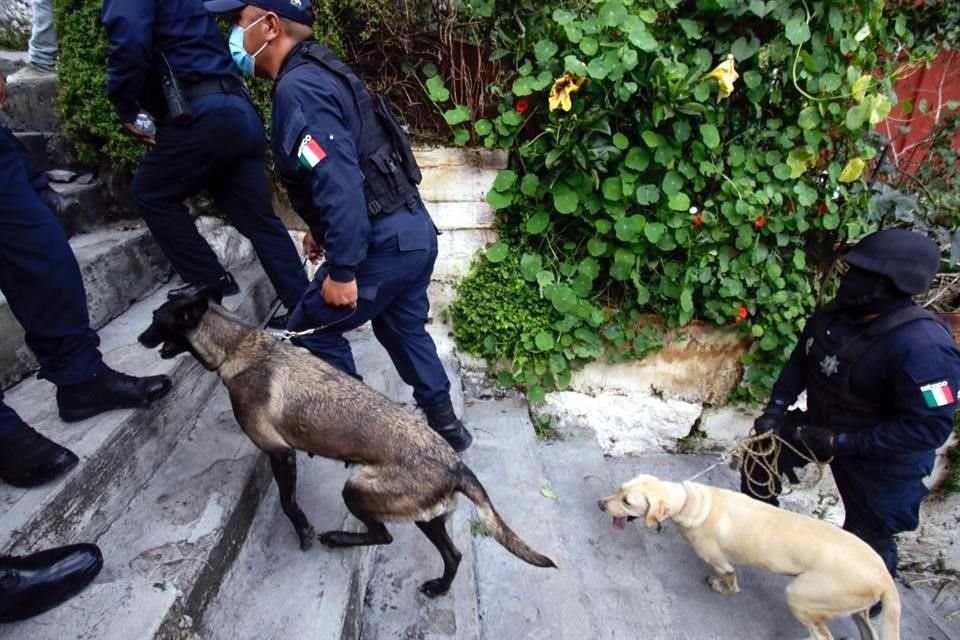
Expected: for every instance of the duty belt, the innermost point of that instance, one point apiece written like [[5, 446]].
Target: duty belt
[[213, 85]]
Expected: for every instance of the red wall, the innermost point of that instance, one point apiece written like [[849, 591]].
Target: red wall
[[937, 84]]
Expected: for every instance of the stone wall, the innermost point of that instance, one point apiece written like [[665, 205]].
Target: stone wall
[[15, 16]]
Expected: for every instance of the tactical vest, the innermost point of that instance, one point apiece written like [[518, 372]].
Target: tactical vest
[[830, 399], [390, 171]]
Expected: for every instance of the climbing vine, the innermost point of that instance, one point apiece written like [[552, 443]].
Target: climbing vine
[[683, 159]]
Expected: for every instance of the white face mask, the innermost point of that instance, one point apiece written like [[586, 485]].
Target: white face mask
[[246, 61]]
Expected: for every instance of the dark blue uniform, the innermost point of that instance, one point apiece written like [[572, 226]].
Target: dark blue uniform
[[889, 395], [40, 277], [222, 148], [316, 133]]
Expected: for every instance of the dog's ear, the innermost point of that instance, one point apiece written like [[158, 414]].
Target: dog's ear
[[191, 312], [657, 512]]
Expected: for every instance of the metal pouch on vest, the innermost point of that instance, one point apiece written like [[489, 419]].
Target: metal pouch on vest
[[178, 106]]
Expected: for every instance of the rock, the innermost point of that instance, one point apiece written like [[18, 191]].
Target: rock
[[62, 175], [699, 364], [625, 424], [31, 98]]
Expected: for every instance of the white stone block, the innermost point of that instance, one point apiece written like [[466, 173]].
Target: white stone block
[[625, 424], [461, 215]]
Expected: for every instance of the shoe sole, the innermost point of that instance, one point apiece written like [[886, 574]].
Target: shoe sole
[[83, 414]]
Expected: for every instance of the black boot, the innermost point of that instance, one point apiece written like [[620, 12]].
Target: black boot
[[444, 421], [27, 459], [109, 390], [30, 585], [225, 285]]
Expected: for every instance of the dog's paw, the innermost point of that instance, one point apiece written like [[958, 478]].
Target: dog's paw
[[307, 538], [720, 585], [337, 539], [434, 588]]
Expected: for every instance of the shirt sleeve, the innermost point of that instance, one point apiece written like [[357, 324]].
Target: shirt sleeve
[[924, 407], [317, 139], [792, 379], [129, 27]]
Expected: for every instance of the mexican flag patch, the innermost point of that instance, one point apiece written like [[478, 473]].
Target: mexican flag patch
[[311, 153], [937, 394]]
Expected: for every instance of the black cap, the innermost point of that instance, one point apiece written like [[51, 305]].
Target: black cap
[[296, 10]]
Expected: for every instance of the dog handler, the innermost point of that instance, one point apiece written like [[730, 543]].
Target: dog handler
[[881, 374], [352, 177], [41, 280], [167, 58]]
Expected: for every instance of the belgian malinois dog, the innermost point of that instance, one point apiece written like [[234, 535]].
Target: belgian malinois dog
[[285, 398]]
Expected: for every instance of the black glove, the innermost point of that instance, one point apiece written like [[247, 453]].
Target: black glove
[[768, 422], [816, 441]]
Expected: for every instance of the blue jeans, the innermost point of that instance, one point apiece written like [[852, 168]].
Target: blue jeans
[[221, 149], [42, 49]]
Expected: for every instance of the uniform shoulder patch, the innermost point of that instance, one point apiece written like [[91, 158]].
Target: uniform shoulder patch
[[310, 153], [937, 394]]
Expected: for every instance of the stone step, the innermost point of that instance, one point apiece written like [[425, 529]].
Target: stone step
[[119, 264], [11, 61], [516, 600], [643, 584], [48, 150], [119, 450], [276, 591], [31, 101], [167, 550], [90, 210]]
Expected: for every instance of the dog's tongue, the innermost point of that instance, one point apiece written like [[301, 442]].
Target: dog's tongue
[[619, 523]]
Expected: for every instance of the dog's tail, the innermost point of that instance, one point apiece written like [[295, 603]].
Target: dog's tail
[[890, 616], [471, 487]]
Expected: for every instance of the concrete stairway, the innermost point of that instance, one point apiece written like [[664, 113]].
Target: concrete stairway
[[197, 548]]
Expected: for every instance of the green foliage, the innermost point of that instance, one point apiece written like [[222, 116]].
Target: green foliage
[[12, 39], [657, 193]]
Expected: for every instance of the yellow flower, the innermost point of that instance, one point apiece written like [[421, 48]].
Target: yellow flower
[[725, 75], [562, 88]]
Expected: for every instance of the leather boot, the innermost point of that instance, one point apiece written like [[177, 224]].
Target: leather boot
[[30, 585], [225, 285], [27, 459], [109, 390], [444, 421]]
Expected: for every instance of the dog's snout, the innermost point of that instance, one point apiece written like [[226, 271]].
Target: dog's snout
[[600, 504]]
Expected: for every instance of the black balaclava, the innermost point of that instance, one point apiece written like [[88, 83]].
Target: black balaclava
[[864, 292]]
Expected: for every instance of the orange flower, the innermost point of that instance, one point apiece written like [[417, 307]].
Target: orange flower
[[821, 208], [521, 106], [697, 221], [741, 313], [760, 221]]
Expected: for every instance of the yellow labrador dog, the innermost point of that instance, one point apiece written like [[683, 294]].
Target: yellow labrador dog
[[837, 574]]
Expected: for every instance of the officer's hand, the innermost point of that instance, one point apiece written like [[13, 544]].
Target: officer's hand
[[312, 249], [339, 294], [132, 131], [768, 422], [816, 441]]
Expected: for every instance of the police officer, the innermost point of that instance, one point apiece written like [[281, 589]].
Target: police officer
[[41, 280], [881, 375], [352, 177], [169, 59]]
